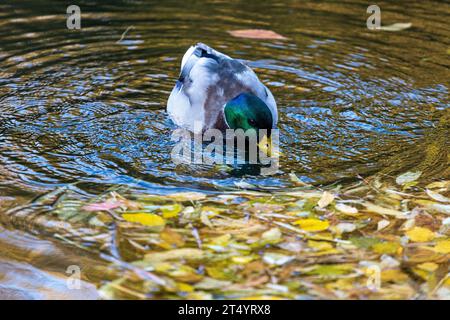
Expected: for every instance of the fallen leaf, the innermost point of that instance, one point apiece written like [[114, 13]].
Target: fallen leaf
[[428, 266], [276, 258], [393, 275], [320, 245], [187, 196], [382, 224], [273, 235], [408, 177], [386, 247], [437, 196], [312, 224], [171, 210], [346, 209], [396, 26], [419, 234], [146, 219], [442, 246], [383, 211], [326, 199], [345, 227], [257, 34], [184, 253]]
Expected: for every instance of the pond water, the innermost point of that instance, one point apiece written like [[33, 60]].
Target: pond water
[[87, 107]]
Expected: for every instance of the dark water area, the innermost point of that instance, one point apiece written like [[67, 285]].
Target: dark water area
[[87, 107]]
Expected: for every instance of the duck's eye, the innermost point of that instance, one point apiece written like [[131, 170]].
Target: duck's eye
[[252, 122]]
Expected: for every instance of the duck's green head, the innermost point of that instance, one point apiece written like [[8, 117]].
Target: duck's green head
[[247, 111]]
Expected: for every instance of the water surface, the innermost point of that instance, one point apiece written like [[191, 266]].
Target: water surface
[[87, 107]]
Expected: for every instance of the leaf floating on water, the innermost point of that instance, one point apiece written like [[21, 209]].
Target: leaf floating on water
[[312, 224], [419, 234], [396, 26], [408, 177], [146, 219], [326, 199], [437, 196], [257, 34]]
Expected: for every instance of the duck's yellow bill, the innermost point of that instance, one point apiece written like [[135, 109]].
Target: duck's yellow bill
[[266, 146]]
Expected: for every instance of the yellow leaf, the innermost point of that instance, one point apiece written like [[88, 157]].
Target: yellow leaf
[[147, 219], [443, 247], [312, 224], [326, 199], [184, 287], [428, 266], [176, 254], [320, 245], [242, 259], [386, 247], [171, 211], [393, 275], [223, 240], [419, 234]]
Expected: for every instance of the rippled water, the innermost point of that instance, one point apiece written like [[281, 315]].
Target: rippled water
[[81, 106]]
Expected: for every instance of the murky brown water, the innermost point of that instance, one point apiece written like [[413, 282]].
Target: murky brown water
[[79, 107]]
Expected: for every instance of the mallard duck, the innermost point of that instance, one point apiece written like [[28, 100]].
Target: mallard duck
[[215, 91]]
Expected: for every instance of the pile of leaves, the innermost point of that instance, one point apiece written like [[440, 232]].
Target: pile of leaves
[[370, 240]]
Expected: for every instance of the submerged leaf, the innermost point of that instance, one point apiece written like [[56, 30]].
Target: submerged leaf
[[146, 219], [437, 196], [383, 211], [326, 199], [419, 234], [408, 177], [171, 210], [312, 224], [442, 246], [277, 259], [184, 253], [346, 209]]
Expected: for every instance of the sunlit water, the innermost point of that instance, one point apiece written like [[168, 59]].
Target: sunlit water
[[85, 107]]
